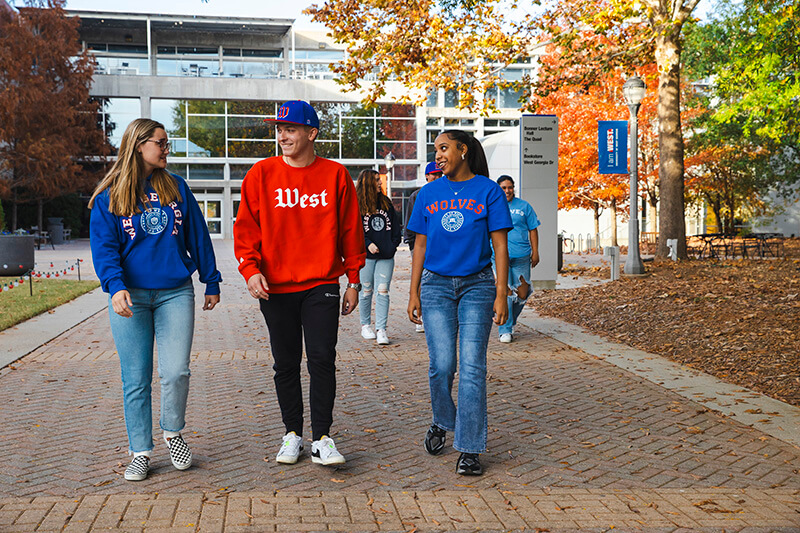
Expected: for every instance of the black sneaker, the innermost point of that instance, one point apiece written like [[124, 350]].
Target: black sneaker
[[137, 470], [179, 452], [435, 439], [469, 464]]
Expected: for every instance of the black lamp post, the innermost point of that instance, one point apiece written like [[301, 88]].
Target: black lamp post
[[634, 90]]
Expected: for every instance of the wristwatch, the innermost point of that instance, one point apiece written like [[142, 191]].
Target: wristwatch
[[356, 286]]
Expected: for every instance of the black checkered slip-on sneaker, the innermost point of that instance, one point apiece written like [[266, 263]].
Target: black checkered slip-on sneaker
[[137, 470], [179, 452]]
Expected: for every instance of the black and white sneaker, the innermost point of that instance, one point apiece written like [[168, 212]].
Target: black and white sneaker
[[137, 470], [179, 452], [324, 452]]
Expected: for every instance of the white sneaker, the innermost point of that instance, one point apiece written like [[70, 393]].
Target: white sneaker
[[324, 452], [420, 328], [382, 337], [505, 337], [366, 332], [290, 449]]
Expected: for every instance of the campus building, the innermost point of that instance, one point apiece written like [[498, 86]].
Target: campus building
[[213, 80]]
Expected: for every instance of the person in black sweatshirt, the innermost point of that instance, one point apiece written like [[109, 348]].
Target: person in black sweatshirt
[[382, 234]]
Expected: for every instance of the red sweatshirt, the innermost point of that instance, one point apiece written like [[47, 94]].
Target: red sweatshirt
[[300, 227]]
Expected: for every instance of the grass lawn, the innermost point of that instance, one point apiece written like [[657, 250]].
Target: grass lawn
[[17, 304]]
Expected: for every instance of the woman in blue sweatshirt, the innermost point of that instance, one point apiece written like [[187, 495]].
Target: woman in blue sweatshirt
[[382, 235], [148, 236]]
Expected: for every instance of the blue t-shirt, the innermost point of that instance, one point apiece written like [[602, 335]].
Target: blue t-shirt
[[524, 218], [457, 217]]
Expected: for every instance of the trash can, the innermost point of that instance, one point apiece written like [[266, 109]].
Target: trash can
[[560, 252], [55, 226]]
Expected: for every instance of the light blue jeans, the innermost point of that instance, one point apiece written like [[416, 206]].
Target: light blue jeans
[[377, 273], [458, 313], [517, 266], [167, 315]]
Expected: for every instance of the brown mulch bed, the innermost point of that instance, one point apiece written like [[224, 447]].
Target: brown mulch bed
[[738, 320]]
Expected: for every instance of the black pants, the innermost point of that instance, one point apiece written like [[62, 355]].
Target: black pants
[[313, 314]]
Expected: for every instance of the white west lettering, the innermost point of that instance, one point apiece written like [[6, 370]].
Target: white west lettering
[[292, 197]]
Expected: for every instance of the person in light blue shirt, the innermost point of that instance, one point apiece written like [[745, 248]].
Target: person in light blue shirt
[[453, 287], [523, 254]]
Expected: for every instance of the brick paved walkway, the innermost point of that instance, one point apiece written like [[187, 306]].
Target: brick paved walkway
[[574, 443]]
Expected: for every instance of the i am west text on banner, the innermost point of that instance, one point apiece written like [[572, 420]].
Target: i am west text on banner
[[612, 146]]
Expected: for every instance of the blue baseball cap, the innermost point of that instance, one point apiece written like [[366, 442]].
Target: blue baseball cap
[[431, 168], [296, 112]]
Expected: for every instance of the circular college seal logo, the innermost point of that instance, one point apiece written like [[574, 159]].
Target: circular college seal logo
[[452, 220], [377, 223], [154, 220]]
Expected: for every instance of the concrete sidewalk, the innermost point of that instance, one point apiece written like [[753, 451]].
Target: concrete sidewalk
[[578, 441]]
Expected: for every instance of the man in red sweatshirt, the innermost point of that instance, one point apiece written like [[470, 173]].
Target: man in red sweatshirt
[[297, 231]]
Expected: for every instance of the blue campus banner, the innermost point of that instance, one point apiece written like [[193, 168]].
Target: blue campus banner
[[612, 146]]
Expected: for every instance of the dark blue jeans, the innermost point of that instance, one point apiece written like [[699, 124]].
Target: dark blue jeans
[[458, 319]]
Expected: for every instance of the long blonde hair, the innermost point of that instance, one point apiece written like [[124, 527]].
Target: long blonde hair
[[124, 181]]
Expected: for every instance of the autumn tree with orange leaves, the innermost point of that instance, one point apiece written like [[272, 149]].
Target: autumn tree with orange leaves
[[47, 121]]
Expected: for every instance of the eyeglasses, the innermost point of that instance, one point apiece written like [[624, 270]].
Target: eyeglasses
[[164, 144]]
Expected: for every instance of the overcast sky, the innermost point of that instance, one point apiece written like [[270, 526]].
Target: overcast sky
[[232, 8]]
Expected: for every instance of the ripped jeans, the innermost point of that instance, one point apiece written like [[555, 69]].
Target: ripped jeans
[[377, 273]]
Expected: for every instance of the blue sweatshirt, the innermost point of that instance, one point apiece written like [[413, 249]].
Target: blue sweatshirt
[[159, 248]]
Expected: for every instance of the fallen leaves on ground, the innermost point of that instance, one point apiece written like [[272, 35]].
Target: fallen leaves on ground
[[735, 319]]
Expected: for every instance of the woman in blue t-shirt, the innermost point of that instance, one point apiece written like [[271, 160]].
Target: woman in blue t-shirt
[[453, 285]]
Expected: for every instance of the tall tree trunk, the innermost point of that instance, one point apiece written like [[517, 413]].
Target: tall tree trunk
[[597, 213], [614, 222], [671, 223], [39, 209]]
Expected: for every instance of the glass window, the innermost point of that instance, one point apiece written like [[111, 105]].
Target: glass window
[[207, 107], [396, 110], [179, 147], [238, 172], [213, 209], [197, 50], [178, 168], [399, 150], [358, 138], [451, 98], [329, 149], [397, 129], [258, 69], [128, 48], [250, 128], [206, 136], [433, 98], [404, 172], [328, 113], [171, 113], [260, 149], [116, 114], [206, 172], [265, 109], [167, 67]]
